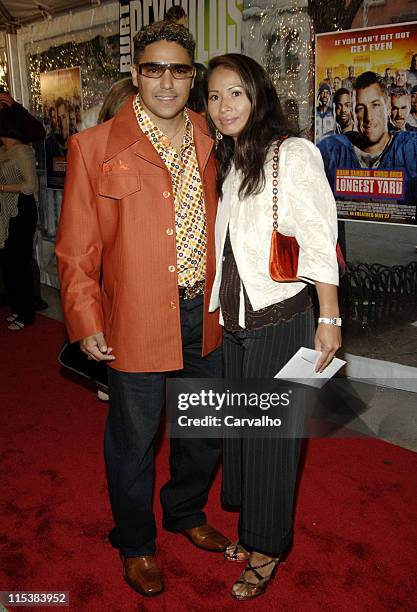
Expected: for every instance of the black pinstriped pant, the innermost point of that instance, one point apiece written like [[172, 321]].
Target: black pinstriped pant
[[259, 475]]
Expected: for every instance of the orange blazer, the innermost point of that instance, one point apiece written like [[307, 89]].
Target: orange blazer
[[116, 246]]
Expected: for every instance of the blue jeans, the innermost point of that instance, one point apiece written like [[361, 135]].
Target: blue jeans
[[136, 403]]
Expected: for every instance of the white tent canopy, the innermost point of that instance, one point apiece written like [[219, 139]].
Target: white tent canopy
[[15, 13]]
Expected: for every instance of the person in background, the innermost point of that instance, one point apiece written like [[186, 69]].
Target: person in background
[[72, 120], [56, 143], [39, 303], [45, 117], [176, 14], [325, 122], [265, 321], [116, 98], [399, 109], [412, 72], [400, 79], [18, 210], [78, 117], [32, 131], [196, 101], [412, 117], [62, 112], [135, 251], [349, 82], [53, 122], [388, 79], [342, 101], [329, 78], [337, 83]]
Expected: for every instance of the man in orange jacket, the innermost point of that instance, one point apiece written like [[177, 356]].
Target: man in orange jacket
[[138, 211]]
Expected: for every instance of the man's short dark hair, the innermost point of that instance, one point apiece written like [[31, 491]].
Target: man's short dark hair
[[61, 102], [164, 30], [398, 92], [324, 87], [339, 93], [368, 78], [175, 13]]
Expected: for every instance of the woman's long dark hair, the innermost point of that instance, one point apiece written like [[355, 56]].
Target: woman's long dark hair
[[11, 121], [265, 125]]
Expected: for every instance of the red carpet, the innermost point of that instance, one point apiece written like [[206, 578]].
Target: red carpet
[[355, 546]]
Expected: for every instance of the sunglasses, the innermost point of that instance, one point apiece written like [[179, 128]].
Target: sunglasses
[[154, 70]]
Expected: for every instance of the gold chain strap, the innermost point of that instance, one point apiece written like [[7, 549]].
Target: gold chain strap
[[275, 188]]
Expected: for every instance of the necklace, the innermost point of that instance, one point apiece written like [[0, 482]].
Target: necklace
[[177, 132]]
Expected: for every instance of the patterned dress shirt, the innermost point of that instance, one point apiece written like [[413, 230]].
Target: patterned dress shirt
[[190, 215]]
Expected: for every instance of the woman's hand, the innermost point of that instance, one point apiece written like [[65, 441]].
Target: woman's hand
[[328, 337], [328, 340]]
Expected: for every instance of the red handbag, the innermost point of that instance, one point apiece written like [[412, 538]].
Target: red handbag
[[283, 258], [284, 251]]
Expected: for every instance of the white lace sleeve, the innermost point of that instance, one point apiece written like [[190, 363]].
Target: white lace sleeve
[[313, 208]]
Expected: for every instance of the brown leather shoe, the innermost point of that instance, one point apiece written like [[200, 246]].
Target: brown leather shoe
[[142, 574], [207, 538]]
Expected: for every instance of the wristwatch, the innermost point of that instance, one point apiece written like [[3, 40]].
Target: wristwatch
[[331, 321]]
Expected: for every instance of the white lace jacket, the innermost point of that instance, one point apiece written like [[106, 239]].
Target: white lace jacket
[[306, 210]]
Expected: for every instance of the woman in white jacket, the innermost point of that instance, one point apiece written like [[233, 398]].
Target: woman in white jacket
[[266, 321]]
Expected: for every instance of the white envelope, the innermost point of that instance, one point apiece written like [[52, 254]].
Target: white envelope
[[301, 368]]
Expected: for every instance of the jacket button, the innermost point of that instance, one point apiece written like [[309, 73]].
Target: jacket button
[[170, 231], [166, 194], [171, 268], [173, 305]]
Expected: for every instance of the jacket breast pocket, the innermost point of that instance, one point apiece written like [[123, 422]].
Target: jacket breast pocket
[[118, 185]]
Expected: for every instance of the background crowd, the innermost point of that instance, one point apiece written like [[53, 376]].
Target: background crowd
[[336, 100]]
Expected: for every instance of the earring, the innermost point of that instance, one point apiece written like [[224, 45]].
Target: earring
[[219, 137]]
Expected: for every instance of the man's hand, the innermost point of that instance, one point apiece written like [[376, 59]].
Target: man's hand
[[95, 347], [328, 340], [6, 99]]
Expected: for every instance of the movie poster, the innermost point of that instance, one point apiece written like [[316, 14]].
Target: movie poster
[[366, 121], [62, 116]]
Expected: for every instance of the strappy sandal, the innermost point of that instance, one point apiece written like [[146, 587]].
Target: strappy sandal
[[236, 552], [16, 325], [254, 589], [12, 317]]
